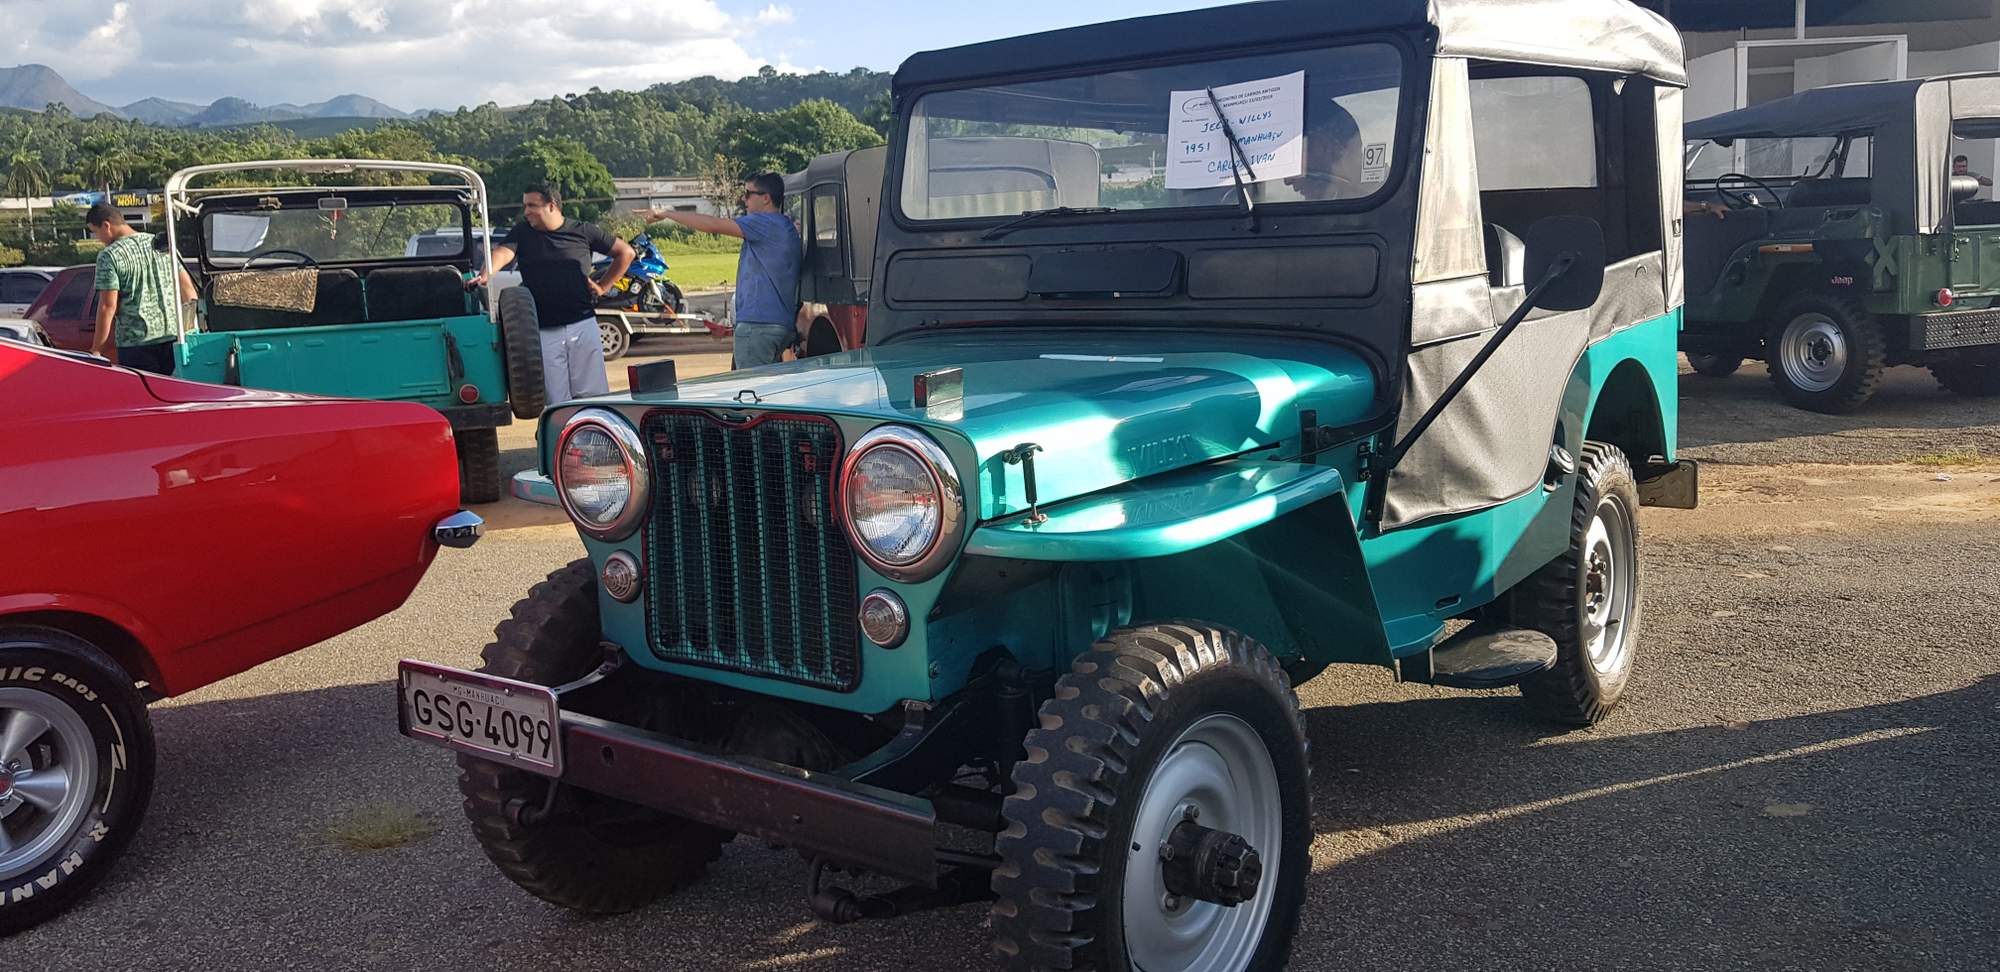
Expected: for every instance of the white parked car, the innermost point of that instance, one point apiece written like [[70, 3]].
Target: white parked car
[[19, 286], [24, 331], [450, 242]]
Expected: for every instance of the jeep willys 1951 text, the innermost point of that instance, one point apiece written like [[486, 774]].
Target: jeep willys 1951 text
[[1204, 351], [316, 288], [1848, 243]]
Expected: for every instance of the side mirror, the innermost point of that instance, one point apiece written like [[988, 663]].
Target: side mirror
[[1572, 247]]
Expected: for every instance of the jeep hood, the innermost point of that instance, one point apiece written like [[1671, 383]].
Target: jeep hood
[[1103, 411]]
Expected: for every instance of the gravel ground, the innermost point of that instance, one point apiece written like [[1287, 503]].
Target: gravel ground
[[1802, 776]]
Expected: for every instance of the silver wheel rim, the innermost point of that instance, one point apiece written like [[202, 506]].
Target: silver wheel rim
[[609, 336], [1608, 588], [1812, 352], [1220, 767], [48, 764]]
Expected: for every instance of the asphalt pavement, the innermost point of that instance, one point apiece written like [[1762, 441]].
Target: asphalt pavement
[[1802, 777]]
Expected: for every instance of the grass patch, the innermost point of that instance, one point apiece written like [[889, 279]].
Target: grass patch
[[700, 271], [380, 826], [1949, 459]]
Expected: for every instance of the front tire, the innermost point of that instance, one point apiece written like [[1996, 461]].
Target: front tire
[[1588, 599], [1828, 355], [76, 771], [594, 854], [1153, 720]]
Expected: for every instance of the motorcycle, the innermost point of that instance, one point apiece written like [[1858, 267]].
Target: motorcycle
[[644, 287]]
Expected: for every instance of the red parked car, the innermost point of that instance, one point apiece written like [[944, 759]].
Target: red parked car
[[306, 517], [67, 308]]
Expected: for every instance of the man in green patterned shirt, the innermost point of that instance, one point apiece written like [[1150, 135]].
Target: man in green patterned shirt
[[139, 294]]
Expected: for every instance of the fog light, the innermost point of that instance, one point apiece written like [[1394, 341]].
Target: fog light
[[468, 394], [1945, 297], [884, 619], [621, 576]]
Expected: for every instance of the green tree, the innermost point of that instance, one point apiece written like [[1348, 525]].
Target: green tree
[[784, 141], [106, 170], [26, 177], [879, 113], [584, 182]]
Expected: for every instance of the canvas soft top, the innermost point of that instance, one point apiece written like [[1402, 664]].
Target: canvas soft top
[[1606, 35], [1843, 109]]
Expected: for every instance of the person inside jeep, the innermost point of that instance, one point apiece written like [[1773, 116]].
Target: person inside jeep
[[1333, 158]]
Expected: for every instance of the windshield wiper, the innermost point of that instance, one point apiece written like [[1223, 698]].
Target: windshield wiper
[[1034, 214], [1240, 161]]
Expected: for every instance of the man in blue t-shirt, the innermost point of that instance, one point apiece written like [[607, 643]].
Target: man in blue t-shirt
[[767, 271]]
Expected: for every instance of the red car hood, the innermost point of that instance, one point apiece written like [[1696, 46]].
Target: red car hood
[[178, 392]]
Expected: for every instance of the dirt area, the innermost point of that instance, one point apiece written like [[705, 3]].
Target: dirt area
[[1740, 420]]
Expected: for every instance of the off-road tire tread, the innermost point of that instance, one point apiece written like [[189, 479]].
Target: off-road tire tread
[[551, 637], [1546, 601], [1975, 375], [1714, 365], [1046, 888], [478, 465], [521, 346], [1868, 352]]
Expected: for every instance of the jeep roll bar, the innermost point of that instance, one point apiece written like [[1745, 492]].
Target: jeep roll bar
[[178, 195]]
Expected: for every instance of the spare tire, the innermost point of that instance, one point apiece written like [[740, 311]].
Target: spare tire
[[521, 345]]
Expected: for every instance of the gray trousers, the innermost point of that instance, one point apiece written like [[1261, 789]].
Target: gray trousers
[[760, 344]]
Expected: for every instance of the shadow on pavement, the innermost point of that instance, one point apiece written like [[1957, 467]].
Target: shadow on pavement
[[1453, 834]]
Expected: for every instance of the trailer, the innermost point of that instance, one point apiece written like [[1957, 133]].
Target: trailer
[[619, 328]]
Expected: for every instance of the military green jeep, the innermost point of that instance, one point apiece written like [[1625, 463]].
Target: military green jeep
[[1201, 357], [1835, 239]]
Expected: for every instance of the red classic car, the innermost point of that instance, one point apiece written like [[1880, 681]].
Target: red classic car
[[67, 308], [305, 516]]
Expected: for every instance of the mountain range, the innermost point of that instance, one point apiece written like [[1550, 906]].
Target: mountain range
[[35, 87]]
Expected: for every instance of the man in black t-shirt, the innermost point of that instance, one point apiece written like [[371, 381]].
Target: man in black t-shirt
[[554, 255]]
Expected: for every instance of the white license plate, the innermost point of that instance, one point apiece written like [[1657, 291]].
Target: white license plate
[[511, 722]]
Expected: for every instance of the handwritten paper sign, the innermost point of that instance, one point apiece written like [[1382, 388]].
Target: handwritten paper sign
[[1268, 117]]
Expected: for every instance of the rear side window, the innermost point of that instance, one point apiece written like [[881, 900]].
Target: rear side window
[[74, 296], [826, 219], [1533, 133], [21, 288]]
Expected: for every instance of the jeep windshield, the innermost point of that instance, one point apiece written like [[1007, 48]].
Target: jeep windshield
[[1314, 126], [318, 231]]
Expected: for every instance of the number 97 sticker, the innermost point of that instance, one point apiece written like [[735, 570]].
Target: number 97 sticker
[[515, 723], [1374, 162]]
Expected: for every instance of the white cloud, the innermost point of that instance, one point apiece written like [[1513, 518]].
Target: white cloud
[[407, 53]]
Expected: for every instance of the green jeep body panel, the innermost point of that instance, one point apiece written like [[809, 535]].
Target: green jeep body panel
[[1165, 479], [424, 361]]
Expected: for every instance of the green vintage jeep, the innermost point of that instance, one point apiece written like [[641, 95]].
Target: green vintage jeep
[[1010, 604], [1847, 244], [314, 288]]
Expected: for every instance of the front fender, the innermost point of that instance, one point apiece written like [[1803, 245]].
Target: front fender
[[1161, 515]]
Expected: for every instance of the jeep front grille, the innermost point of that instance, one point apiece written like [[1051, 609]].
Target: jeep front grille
[[751, 570]]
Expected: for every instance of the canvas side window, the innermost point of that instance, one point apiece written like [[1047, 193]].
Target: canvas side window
[[826, 219], [1534, 133]]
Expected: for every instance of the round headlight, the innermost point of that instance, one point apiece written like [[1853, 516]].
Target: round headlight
[[600, 475], [903, 503]]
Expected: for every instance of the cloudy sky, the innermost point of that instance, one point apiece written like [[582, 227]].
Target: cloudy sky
[[443, 53]]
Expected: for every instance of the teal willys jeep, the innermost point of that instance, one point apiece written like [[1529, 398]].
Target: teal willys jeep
[[307, 283], [1205, 351], [1848, 244]]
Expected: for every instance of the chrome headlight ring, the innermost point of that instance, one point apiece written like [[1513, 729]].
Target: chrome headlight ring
[[951, 503], [631, 451]]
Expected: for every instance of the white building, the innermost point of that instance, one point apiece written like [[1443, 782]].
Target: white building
[[676, 193]]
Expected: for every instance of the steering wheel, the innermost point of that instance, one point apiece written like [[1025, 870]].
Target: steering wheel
[[1743, 200], [305, 259]]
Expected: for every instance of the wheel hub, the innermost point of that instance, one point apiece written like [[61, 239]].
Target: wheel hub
[[1813, 352], [1208, 865]]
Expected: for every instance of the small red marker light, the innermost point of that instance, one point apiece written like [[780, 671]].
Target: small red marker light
[[468, 394], [1945, 297]]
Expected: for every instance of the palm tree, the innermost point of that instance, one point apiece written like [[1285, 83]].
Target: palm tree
[[26, 178], [106, 169]]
